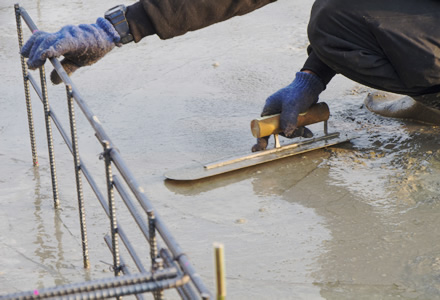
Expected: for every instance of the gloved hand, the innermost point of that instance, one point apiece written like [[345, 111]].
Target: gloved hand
[[81, 45], [290, 101]]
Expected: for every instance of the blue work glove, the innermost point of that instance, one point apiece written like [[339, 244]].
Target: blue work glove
[[290, 101], [81, 45]]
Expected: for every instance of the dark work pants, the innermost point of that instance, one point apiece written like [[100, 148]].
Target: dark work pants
[[391, 45]]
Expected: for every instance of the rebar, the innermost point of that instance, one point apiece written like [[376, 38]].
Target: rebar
[[77, 168], [174, 256], [164, 232], [186, 291], [158, 295], [124, 268], [153, 242], [156, 262], [140, 220], [131, 251], [106, 288], [26, 87], [111, 205], [53, 171]]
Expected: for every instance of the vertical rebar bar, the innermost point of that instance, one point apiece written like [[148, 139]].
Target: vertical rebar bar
[[156, 262], [26, 88], [153, 244], [77, 168], [53, 170], [159, 295], [152, 233], [112, 208]]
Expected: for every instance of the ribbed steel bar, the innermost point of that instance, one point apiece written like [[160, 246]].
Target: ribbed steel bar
[[153, 242], [106, 288], [126, 173], [111, 205], [124, 238], [77, 168], [156, 262], [90, 116], [159, 294], [186, 291], [143, 226], [47, 112], [133, 289], [26, 88], [124, 268], [162, 229], [130, 249], [66, 139], [91, 182]]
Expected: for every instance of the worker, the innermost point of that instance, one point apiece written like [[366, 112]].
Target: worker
[[391, 45]]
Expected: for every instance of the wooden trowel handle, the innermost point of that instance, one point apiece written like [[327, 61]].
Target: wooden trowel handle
[[266, 126]]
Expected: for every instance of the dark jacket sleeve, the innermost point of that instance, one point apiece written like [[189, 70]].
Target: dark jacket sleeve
[[170, 18], [314, 64]]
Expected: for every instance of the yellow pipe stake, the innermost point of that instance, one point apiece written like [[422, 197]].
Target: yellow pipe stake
[[220, 271]]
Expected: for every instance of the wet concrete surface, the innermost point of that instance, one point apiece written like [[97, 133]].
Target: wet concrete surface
[[357, 221]]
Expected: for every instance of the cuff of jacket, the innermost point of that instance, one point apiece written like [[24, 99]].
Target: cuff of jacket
[[314, 64], [138, 21]]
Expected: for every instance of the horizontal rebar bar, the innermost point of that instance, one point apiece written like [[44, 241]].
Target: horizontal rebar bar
[[108, 287], [124, 268]]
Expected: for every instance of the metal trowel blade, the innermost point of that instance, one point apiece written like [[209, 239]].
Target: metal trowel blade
[[200, 171]]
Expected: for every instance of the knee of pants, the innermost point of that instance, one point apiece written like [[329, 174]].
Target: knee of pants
[[324, 14], [338, 24]]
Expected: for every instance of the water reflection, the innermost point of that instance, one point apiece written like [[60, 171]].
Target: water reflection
[[46, 250], [379, 197], [380, 206]]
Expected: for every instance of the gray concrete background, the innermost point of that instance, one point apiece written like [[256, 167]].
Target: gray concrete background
[[358, 221]]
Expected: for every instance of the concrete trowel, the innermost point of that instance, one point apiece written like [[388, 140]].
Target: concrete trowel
[[267, 126]]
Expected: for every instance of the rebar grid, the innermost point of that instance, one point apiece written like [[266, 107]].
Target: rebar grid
[[163, 259]]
